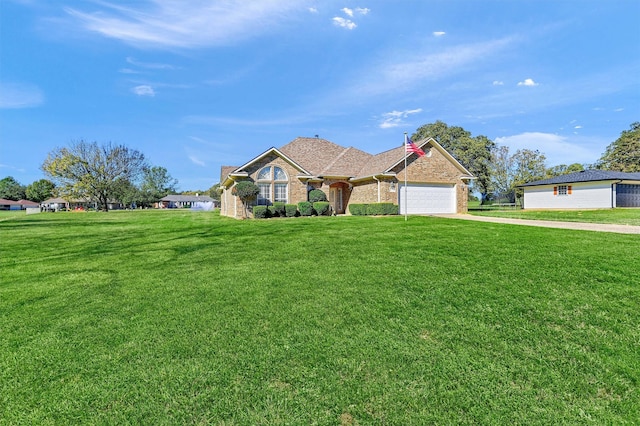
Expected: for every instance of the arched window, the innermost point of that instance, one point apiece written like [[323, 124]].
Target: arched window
[[273, 184]]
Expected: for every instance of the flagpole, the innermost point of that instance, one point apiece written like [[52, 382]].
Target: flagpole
[[405, 176]]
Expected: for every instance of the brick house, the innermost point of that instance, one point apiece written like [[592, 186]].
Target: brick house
[[436, 182]]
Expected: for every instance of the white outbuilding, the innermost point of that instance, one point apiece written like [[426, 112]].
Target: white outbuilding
[[589, 189]]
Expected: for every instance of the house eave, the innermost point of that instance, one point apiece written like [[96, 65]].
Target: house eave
[[373, 176]]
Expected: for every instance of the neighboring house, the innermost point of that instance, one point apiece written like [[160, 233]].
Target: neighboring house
[[26, 204], [436, 182], [182, 201], [9, 205], [56, 204], [589, 189]]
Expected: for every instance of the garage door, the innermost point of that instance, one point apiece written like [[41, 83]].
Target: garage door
[[427, 198], [627, 195]]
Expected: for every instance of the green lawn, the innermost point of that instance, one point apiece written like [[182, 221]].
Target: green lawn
[[616, 216], [178, 317]]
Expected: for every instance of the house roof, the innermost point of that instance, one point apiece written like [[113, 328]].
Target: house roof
[[317, 157], [186, 198], [28, 203], [586, 176], [6, 202]]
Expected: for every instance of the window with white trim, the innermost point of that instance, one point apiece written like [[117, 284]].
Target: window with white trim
[[563, 189], [274, 185]]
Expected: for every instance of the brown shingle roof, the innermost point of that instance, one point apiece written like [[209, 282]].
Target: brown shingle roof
[[321, 157], [381, 162], [225, 171]]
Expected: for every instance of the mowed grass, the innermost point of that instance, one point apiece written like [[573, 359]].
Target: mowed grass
[[178, 317], [620, 216]]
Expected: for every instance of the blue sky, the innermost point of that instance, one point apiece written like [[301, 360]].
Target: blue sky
[[199, 84]]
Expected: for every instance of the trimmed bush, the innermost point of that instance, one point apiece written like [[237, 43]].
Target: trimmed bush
[[316, 195], [321, 207], [373, 209], [260, 212], [306, 208], [278, 209], [291, 210], [378, 209], [358, 209]]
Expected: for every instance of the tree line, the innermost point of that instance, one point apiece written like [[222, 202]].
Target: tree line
[[107, 173]]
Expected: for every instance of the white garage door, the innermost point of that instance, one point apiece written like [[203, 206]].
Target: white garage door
[[427, 198]]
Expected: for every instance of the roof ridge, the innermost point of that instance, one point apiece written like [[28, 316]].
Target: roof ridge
[[335, 160]]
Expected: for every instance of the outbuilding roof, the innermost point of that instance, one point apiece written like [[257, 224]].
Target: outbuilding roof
[[586, 176]]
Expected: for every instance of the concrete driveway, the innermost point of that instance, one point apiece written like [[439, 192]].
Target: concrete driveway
[[598, 227]]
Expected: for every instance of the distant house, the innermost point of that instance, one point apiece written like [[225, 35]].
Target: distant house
[[9, 205], [184, 201], [589, 189], [57, 204], [435, 182], [16, 205]]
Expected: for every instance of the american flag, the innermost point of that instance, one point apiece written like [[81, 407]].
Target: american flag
[[412, 147]]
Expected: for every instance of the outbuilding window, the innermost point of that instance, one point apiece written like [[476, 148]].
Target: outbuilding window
[[562, 190], [274, 185]]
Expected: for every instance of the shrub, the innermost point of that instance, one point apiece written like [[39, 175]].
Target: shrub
[[260, 212], [278, 209], [316, 195], [306, 208], [377, 209], [291, 210], [358, 209], [390, 208], [321, 207]]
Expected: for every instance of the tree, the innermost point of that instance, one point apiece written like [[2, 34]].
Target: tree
[[40, 190], [509, 171], [623, 155], [563, 169], [157, 183], [10, 189], [89, 170], [474, 153], [215, 192], [246, 191]]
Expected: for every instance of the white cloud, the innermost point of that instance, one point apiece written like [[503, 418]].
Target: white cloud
[[498, 83], [363, 10], [558, 149], [169, 24], [20, 95], [347, 11], [528, 82], [344, 23], [396, 118], [438, 33], [404, 71], [313, 10], [144, 90], [578, 127], [195, 160]]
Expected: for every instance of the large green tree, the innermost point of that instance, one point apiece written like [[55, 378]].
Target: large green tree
[[509, 171], [474, 153], [40, 190], [11, 189], [563, 169], [94, 171], [157, 183], [623, 155]]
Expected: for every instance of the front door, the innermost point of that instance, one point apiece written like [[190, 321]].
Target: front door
[[336, 198]]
